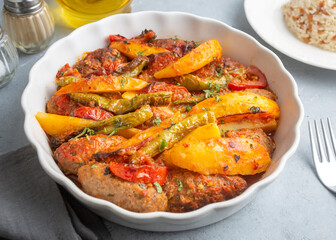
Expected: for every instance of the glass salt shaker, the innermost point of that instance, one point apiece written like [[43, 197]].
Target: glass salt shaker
[[29, 23], [9, 59]]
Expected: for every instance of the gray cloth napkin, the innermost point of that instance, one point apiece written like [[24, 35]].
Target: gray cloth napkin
[[33, 206]]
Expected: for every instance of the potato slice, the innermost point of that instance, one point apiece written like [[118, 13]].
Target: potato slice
[[133, 49], [129, 95], [230, 156], [54, 124], [103, 84], [239, 103], [192, 61], [266, 125], [128, 133]]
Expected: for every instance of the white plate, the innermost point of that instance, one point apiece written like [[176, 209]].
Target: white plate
[[235, 44], [265, 17]]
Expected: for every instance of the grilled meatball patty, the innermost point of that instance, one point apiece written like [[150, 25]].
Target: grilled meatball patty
[[187, 191], [78, 152], [97, 181]]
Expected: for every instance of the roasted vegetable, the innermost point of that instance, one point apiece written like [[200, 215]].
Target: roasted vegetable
[[167, 138], [191, 100], [239, 103], [253, 78], [140, 174], [137, 141], [128, 133], [103, 84], [133, 68], [229, 156], [120, 106], [54, 124], [268, 125], [133, 49], [194, 83], [63, 81], [195, 59], [129, 120]]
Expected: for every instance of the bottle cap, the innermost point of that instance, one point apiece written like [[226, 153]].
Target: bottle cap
[[23, 6]]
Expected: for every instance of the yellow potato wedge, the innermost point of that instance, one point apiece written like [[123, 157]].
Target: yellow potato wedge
[[266, 125], [133, 49], [54, 124], [192, 61], [239, 103], [129, 95], [128, 133], [230, 156], [103, 84]]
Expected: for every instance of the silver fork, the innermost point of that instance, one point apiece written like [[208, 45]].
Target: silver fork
[[325, 166]]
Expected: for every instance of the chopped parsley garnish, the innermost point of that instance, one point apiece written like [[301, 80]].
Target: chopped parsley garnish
[[163, 145], [179, 184], [143, 186], [178, 84], [236, 157], [117, 125], [218, 99], [93, 165], [141, 52], [86, 131], [153, 38], [157, 121], [222, 121], [254, 109], [222, 133], [196, 44], [188, 108], [219, 71], [123, 80], [209, 93], [206, 109], [158, 187], [118, 55], [186, 41]]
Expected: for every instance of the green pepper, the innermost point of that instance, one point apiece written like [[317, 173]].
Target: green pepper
[[191, 100], [121, 106], [168, 137], [125, 121], [133, 68], [63, 81]]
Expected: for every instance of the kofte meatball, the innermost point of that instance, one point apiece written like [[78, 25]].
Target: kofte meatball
[[187, 191], [71, 155], [97, 181]]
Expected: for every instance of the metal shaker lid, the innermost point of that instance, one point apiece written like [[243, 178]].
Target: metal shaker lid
[[23, 6]]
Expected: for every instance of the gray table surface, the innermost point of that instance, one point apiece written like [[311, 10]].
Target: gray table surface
[[295, 206]]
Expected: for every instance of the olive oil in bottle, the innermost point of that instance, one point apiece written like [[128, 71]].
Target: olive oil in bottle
[[80, 12]]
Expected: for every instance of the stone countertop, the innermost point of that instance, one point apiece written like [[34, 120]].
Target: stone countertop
[[295, 206]]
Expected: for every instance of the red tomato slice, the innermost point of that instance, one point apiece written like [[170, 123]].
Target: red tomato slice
[[254, 79], [139, 174], [116, 38], [94, 113]]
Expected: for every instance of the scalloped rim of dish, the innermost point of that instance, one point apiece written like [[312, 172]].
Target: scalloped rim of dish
[[63, 180]]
